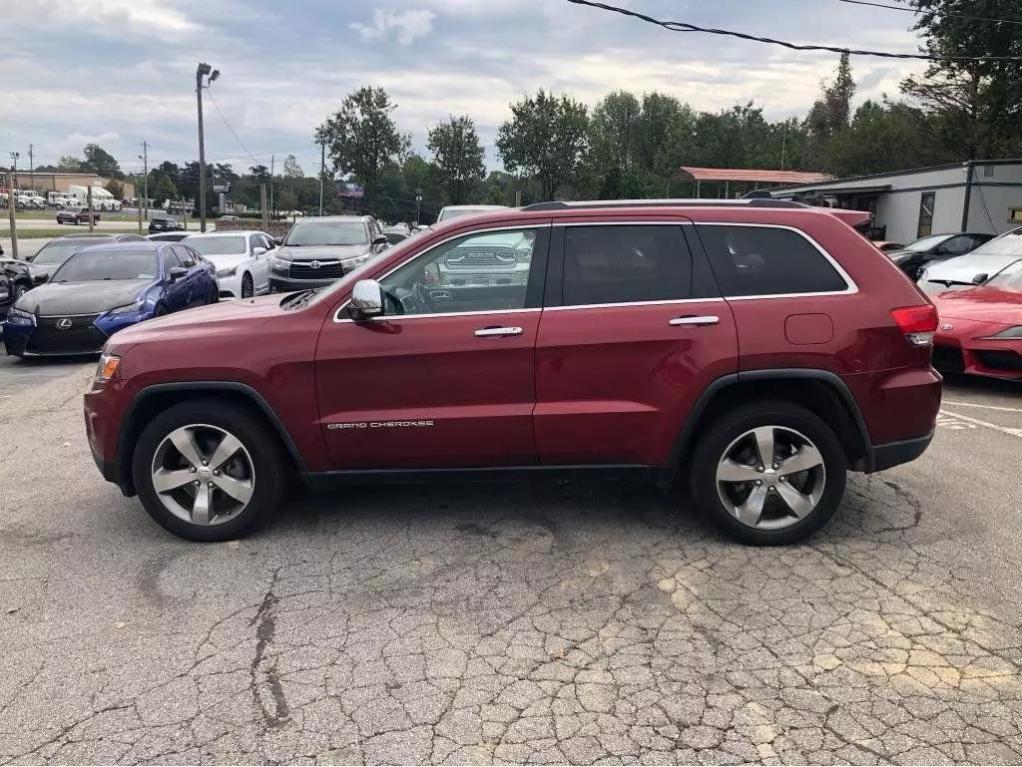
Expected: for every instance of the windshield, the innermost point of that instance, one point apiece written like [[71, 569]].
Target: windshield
[[1009, 278], [327, 233], [57, 252], [216, 246], [1008, 244], [108, 265], [927, 242]]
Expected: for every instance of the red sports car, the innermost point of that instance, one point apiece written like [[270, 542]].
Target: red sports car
[[980, 329]]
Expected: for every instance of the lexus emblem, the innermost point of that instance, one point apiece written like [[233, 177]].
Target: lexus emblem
[[947, 326], [314, 264], [63, 324]]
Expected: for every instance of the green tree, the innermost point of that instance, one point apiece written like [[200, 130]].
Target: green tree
[[71, 164], [830, 114], [547, 138], [458, 156], [362, 138], [115, 187], [292, 169], [978, 103], [100, 161]]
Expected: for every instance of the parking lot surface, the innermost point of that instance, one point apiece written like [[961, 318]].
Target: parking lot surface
[[510, 623]]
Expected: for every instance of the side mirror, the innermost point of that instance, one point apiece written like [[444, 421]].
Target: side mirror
[[258, 251], [380, 240], [278, 241], [176, 273], [980, 278], [367, 298]]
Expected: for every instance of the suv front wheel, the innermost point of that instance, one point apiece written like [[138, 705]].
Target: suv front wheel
[[208, 470], [769, 473]]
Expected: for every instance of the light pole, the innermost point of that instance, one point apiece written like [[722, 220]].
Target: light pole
[[14, 157], [418, 203], [203, 71]]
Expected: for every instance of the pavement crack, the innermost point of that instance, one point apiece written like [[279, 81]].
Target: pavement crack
[[276, 712]]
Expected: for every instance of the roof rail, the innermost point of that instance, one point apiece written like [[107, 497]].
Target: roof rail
[[662, 203]]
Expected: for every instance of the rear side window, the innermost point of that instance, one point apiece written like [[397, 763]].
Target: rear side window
[[624, 264], [764, 261]]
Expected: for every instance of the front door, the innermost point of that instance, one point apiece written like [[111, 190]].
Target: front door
[[446, 377], [634, 332]]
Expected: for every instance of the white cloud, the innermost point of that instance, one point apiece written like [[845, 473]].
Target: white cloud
[[407, 24], [105, 16]]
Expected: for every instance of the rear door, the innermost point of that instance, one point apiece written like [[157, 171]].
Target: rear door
[[446, 377], [633, 331]]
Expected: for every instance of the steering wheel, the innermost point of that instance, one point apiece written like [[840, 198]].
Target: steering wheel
[[423, 299]]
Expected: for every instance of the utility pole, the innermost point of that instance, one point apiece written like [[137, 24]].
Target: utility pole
[[262, 206], [322, 173], [10, 213], [88, 191], [14, 157], [272, 158], [202, 71], [145, 179], [31, 168]]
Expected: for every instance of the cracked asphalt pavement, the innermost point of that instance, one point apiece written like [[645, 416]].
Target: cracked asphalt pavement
[[532, 623]]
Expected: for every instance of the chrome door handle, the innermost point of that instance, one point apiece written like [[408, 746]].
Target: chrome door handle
[[706, 319], [512, 331]]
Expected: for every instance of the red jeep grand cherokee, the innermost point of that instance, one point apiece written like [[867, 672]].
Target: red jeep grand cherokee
[[764, 348]]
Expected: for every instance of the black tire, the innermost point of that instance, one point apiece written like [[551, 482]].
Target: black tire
[[268, 460], [715, 440], [20, 289], [247, 289], [214, 295], [159, 310]]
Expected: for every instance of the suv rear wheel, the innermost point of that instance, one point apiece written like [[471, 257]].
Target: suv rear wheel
[[769, 473], [208, 470]]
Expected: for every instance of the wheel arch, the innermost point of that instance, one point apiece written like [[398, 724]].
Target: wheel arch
[[821, 391], [156, 398]]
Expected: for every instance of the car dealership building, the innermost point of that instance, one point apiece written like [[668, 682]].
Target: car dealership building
[[977, 196]]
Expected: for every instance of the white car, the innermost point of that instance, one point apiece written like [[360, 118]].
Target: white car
[[964, 271], [454, 211], [241, 259]]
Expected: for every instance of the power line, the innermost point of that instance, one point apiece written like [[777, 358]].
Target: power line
[[229, 127], [682, 26], [918, 12]]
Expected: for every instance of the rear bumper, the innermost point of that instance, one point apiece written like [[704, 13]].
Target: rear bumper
[[896, 453]]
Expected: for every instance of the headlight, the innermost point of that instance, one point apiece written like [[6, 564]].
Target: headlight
[[229, 272], [132, 308], [107, 368], [1013, 332], [351, 263], [279, 265], [20, 317]]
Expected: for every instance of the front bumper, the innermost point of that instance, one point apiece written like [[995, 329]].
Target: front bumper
[[980, 357]]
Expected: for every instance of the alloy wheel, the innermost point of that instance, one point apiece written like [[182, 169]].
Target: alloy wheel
[[771, 477], [203, 475]]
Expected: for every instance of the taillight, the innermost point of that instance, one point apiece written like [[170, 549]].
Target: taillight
[[918, 323]]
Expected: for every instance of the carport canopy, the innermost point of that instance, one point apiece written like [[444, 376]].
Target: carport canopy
[[749, 175]]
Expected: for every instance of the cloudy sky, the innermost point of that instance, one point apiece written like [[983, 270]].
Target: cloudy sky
[[117, 71]]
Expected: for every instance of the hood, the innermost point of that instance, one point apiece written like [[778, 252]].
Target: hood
[[219, 319], [320, 252], [226, 260], [963, 268], [90, 297], [983, 304]]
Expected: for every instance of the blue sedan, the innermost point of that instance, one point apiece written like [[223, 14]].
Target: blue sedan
[[102, 289]]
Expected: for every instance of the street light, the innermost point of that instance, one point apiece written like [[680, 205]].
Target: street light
[[203, 71]]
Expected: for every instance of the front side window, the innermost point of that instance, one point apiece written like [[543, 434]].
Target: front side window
[[475, 273], [185, 256], [625, 264], [926, 203], [766, 261]]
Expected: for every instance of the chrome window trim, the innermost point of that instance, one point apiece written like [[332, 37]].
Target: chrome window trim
[[851, 288], [395, 317], [663, 302], [430, 249]]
